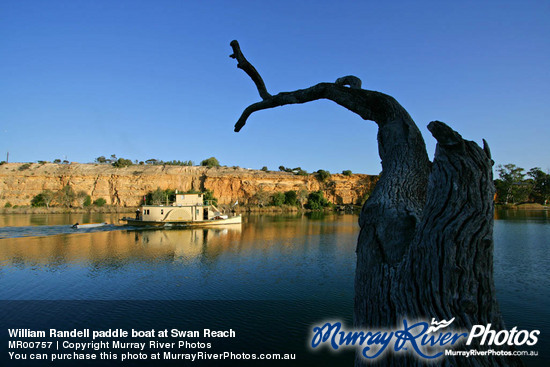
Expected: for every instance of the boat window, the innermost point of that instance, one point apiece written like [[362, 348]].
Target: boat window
[[161, 211]]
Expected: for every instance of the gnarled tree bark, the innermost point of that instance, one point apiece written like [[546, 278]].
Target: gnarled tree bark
[[425, 249]]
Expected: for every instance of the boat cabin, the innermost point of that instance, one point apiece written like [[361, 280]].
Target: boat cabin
[[186, 208]]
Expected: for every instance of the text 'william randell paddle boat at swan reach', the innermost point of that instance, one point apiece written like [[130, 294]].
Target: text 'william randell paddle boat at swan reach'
[[189, 210]]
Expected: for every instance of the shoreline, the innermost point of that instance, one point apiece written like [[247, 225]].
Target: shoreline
[[58, 210], [527, 206], [238, 210]]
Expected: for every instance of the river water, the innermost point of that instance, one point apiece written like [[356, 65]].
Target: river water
[[270, 279]]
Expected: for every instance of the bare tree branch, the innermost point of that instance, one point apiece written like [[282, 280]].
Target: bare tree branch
[[243, 64], [346, 91]]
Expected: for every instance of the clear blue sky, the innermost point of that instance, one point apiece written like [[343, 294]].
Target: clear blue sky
[[152, 79]]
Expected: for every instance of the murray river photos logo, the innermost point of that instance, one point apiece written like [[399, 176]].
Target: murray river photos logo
[[426, 341]]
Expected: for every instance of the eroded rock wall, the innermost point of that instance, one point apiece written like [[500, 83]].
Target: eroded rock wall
[[19, 183]]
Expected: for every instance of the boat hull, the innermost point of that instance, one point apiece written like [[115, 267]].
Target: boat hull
[[203, 223], [89, 225]]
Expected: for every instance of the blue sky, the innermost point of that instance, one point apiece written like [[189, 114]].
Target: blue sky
[[152, 79]]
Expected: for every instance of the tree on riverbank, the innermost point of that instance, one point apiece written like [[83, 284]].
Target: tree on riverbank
[[65, 196], [425, 249], [45, 198], [513, 187]]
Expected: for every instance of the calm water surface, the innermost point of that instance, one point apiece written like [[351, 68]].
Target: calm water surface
[[295, 269]]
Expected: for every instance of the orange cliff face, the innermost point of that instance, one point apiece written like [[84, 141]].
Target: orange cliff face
[[19, 182]]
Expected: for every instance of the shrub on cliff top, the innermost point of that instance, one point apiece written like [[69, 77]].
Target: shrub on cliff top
[[210, 162], [347, 172], [322, 175], [122, 162]]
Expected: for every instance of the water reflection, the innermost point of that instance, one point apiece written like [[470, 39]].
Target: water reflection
[[114, 249], [523, 215], [23, 220]]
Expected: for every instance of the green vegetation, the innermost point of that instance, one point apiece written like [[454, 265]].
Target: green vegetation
[[65, 196], [122, 162], [3, 162], [513, 187], [179, 163], [261, 197], [302, 196], [100, 202], [45, 198], [157, 162], [208, 197], [210, 162], [7, 205], [347, 172], [264, 168], [37, 201], [316, 201], [297, 171], [291, 198], [57, 161], [278, 199], [81, 198], [322, 175], [158, 196], [364, 199], [24, 166]]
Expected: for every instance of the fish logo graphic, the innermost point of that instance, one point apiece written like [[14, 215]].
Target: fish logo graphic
[[439, 325]]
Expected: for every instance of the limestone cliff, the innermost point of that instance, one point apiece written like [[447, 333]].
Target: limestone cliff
[[19, 183]]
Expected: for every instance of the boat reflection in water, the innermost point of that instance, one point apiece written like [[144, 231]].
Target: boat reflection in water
[[265, 235], [115, 247], [185, 245]]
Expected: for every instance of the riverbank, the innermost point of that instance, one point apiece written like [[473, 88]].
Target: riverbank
[[526, 206], [240, 209], [60, 210]]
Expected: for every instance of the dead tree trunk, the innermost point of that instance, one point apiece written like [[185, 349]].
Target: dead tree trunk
[[425, 249]]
